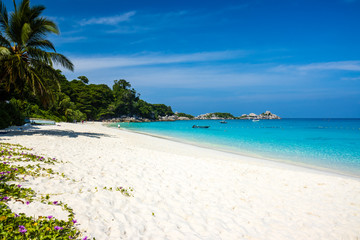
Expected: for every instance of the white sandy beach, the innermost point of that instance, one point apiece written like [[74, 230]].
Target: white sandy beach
[[183, 191]]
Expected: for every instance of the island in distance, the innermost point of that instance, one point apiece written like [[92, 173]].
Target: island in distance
[[207, 116]]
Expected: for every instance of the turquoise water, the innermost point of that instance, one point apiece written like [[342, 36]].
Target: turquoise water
[[42, 122], [331, 144]]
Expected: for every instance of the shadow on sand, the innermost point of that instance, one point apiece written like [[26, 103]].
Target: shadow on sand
[[33, 130]]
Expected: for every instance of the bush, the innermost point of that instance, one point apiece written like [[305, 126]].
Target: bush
[[10, 115], [185, 115]]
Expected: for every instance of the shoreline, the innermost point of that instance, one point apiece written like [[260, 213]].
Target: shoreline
[[254, 156], [183, 191]]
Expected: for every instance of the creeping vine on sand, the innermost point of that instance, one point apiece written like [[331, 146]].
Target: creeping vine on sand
[[20, 226]]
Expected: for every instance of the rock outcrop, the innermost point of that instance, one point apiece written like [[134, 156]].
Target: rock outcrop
[[206, 116], [265, 115], [214, 116]]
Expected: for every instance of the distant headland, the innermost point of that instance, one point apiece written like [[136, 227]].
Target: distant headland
[[207, 116]]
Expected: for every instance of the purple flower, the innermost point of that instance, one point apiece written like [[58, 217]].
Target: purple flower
[[58, 228], [19, 186], [16, 215], [22, 229], [55, 202], [50, 217], [85, 238], [70, 237], [5, 198], [27, 202], [74, 221]]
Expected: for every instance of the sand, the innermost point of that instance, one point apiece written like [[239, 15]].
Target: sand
[[182, 191]]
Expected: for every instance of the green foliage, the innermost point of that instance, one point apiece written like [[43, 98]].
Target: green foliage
[[91, 101], [10, 114], [125, 98], [79, 101], [27, 75], [26, 55], [145, 109], [223, 115], [84, 79], [124, 191], [185, 115], [162, 110], [14, 226], [152, 111]]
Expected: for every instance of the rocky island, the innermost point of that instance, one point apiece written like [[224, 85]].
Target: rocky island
[[207, 116], [265, 115]]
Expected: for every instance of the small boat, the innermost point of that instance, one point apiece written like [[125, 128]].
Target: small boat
[[223, 121], [255, 120], [196, 126]]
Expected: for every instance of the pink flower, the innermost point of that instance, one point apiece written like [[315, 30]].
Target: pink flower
[[22, 229]]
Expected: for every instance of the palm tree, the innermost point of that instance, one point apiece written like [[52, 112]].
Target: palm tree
[[26, 56]]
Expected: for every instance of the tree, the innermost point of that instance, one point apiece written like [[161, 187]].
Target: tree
[[125, 98], [84, 79], [26, 56]]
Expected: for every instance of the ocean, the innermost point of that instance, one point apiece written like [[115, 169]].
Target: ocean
[[328, 144]]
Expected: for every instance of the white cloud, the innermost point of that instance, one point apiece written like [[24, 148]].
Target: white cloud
[[93, 63], [194, 76], [217, 71], [344, 65], [62, 40], [341, 65], [113, 20], [350, 78]]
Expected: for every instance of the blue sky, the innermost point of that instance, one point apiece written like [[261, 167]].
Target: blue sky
[[294, 58]]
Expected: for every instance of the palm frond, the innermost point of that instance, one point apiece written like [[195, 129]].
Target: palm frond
[[36, 12], [43, 44], [4, 52], [62, 60], [24, 7], [49, 25], [29, 62], [41, 27], [14, 29], [3, 16], [36, 54], [4, 42], [25, 33]]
